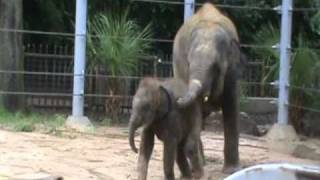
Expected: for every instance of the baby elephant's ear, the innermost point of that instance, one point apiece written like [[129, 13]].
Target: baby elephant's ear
[[167, 96], [165, 91]]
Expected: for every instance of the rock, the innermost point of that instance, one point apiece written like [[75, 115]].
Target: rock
[[264, 118], [247, 125], [263, 129]]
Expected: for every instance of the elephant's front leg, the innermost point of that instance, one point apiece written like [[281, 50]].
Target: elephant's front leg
[[146, 147], [169, 156], [230, 120], [193, 146]]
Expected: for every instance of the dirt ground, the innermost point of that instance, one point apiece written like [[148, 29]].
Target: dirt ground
[[106, 155]]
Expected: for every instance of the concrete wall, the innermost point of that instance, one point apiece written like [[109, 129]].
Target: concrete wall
[[258, 105]]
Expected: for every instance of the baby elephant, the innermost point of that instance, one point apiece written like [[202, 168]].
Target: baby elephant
[[154, 107]]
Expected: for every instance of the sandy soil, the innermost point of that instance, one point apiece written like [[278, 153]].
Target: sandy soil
[[107, 156]]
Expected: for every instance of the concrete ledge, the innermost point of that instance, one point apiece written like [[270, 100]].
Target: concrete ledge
[[259, 105], [81, 124], [282, 138]]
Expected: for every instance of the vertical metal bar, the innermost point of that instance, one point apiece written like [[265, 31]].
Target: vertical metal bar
[[285, 55], [155, 72], [188, 9], [79, 58]]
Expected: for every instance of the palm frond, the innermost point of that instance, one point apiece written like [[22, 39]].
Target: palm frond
[[268, 36], [119, 43]]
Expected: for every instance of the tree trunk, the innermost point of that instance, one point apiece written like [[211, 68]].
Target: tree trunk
[[11, 53]]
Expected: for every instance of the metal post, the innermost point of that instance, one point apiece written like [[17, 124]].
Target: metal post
[[77, 120], [79, 58], [155, 72], [188, 9], [285, 55]]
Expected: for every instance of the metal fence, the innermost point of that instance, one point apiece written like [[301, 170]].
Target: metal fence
[[48, 78], [48, 72], [48, 69]]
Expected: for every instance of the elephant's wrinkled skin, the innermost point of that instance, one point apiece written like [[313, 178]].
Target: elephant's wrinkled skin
[[154, 107], [206, 56]]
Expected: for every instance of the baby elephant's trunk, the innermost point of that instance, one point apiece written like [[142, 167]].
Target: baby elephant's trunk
[[132, 129]]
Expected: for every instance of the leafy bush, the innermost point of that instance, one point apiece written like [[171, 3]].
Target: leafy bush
[[116, 44], [28, 122], [305, 65]]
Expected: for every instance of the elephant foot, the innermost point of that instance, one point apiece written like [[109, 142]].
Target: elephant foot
[[231, 168]]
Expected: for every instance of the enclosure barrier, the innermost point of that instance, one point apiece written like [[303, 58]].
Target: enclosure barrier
[[66, 75]]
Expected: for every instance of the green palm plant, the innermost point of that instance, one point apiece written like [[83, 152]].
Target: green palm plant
[[305, 65], [116, 44], [315, 23], [305, 68], [268, 36]]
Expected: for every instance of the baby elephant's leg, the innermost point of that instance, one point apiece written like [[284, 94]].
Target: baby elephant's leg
[[146, 147], [183, 162], [169, 156], [193, 152], [202, 152]]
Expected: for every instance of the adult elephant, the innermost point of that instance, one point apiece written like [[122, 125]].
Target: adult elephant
[[206, 56]]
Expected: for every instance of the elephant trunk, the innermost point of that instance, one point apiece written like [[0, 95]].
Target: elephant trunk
[[132, 129], [194, 90]]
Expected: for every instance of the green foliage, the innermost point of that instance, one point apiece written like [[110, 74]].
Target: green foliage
[[304, 73], [243, 95], [249, 21], [304, 60], [48, 15], [305, 65], [268, 36], [116, 42], [315, 23], [28, 122]]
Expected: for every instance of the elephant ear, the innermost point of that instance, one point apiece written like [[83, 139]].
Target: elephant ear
[[166, 92], [242, 63], [168, 99]]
